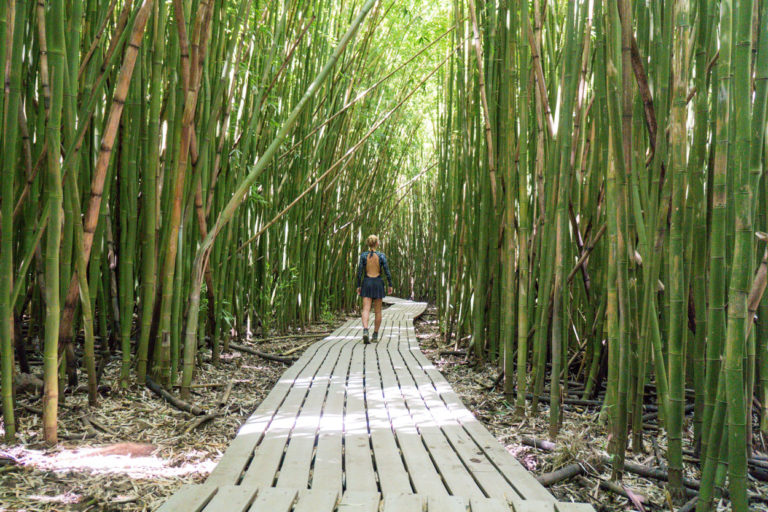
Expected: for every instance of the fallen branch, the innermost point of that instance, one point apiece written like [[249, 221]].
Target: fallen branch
[[7, 461], [653, 415], [90, 420], [225, 396], [208, 417], [460, 353], [264, 355], [200, 420], [690, 505], [27, 382], [204, 385], [33, 410], [569, 401], [293, 336], [564, 473], [296, 349], [89, 428], [648, 472], [541, 444], [637, 499], [174, 401]]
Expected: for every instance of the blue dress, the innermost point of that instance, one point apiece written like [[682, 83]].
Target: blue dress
[[372, 287]]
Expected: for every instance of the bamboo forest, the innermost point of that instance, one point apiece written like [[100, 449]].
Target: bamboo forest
[[575, 190]]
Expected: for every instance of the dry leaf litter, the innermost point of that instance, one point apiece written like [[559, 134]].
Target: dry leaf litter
[[143, 449], [583, 437]]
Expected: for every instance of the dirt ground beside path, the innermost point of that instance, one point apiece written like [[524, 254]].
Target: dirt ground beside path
[[583, 438], [138, 450]]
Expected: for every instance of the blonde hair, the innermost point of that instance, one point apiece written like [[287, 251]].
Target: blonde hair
[[372, 241]]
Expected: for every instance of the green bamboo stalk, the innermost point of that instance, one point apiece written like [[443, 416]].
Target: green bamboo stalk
[[55, 25], [12, 88]]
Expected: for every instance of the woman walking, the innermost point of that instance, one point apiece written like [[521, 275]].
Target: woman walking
[[371, 286]]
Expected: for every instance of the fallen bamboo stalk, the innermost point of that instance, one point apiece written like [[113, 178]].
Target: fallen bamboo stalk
[[569, 401], [210, 416], [622, 490], [293, 337], [264, 355], [655, 414], [200, 420], [174, 401], [296, 349], [541, 444], [564, 473]]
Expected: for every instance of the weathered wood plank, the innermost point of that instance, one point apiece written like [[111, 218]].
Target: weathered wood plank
[[457, 478], [523, 482], [192, 498], [422, 471], [532, 506], [327, 472], [315, 500], [488, 505], [573, 507], [238, 454], [356, 501], [393, 476], [485, 473], [268, 454], [358, 461], [403, 503], [294, 470], [447, 504], [274, 500], [232, 498]]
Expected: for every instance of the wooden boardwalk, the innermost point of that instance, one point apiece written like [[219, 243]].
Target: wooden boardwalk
[[369, 428]]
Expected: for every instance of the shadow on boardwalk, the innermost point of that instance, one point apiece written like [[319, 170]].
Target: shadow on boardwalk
[[373, 427]]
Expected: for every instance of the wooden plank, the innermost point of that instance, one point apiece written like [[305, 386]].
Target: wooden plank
[[356, 501], [327, 472], [447, 504], [294, 470], [268, 454], [458, 480], [191, 498], [489, 479], [232, 498], [403, 503], [514, 472], [238, 454], [393, 477], [274, 500], [488, 505], [573, 507], [532, 506], [358, 459], [422, 472], [316, 500]]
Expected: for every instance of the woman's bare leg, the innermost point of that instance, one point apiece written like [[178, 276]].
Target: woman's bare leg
[[367, 312], [377, 310]]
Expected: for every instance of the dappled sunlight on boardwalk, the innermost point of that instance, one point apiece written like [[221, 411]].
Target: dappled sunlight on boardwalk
[[359, 427]]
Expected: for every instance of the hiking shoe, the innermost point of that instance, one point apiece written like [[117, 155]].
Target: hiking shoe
[[365, 336], [375, 336]]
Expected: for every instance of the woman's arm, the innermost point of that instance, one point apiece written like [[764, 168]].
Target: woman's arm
[[360, 268], [385, 267]]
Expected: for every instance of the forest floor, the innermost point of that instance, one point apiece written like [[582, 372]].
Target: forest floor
[[138, 450], [583, 437], [134, 450]]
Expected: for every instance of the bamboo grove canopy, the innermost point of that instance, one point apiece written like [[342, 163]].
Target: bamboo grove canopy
[[601, 202], [176, 173], [577, 184]]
